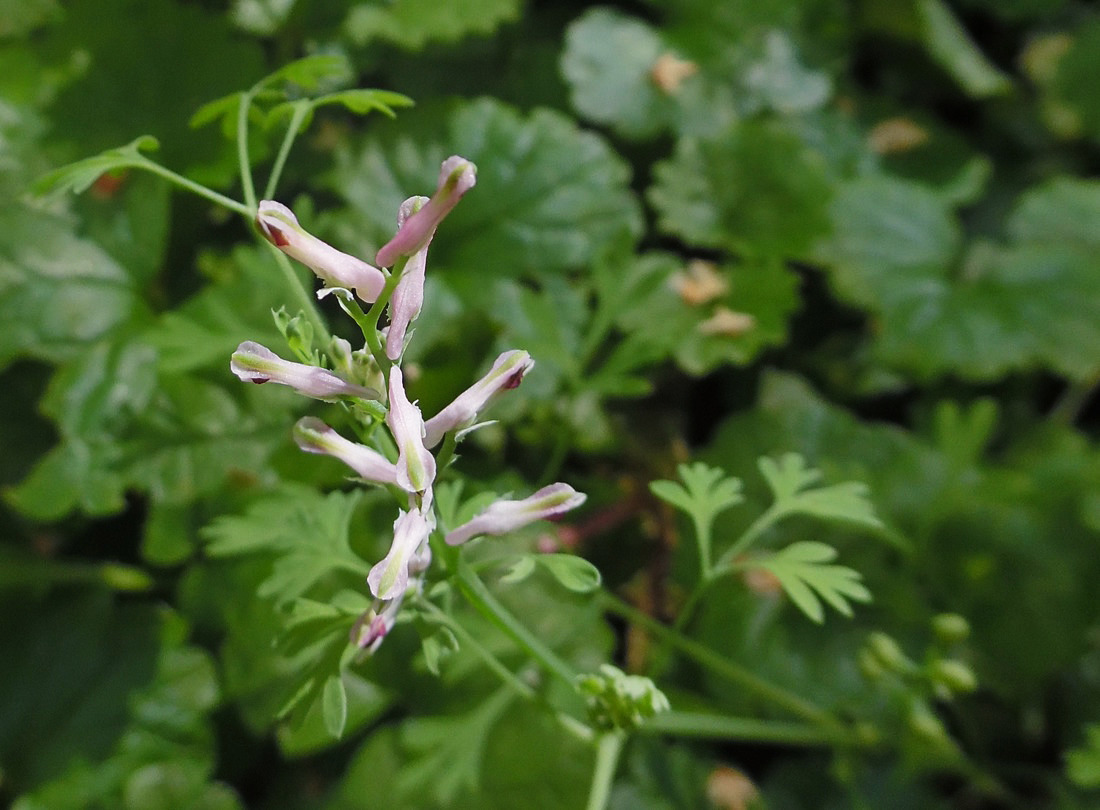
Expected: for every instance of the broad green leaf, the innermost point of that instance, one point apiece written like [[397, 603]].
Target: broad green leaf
[[756, 190], [236, 306], [548, 196], [131, 223], [607, 61], [149, 75], [140, 738], [1062, 210], [572, 572], [950, 45], [411, 24], [58, 293], [1036, 302], [334, 706], [306, 531], [747, 314], [803, 570]]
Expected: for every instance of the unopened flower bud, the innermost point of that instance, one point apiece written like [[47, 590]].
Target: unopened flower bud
[[620, 701], [280, 227], [504, 516], [955, 676], [950, 628], [314, 436], [457, 176], [258, 364], [507, 373]]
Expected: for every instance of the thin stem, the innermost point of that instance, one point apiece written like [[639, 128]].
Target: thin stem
[[608, 751], [490, 660], [301, 110], [746, 729], [732, 672], [244, 164], [370, 324], [751, 535], [304, 296], [191, 185], [475, 592]]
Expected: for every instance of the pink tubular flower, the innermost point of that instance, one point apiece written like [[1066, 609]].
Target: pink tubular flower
[[504, 516], [507, 373], [415, 465], [314, 436], [280, 227], [456, 176], [390, 577], [408, 296], [258, 364]]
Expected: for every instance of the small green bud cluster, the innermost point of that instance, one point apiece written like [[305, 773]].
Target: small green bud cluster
[[617, 701]]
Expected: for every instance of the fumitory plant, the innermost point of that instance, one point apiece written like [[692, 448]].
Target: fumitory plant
[[718, 429]]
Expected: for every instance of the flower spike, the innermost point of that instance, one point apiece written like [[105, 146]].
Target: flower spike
[[456, 176], [504, 516], [280, 227], [507, 373], [415, 465], [258, 364]]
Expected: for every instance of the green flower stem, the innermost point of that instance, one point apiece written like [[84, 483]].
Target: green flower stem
[[301, 110], [519, 686], [706, 657], [475, 592], [244, 164], [303, 295], [771, 516], [191, 185], [370, 324], [608, 751], [747, 729]]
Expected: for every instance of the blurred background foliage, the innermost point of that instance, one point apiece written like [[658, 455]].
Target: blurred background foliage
[[865, 232]]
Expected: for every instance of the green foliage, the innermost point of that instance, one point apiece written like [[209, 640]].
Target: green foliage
[[852, 246], [412, 23], [802, 572], [1083, 764]]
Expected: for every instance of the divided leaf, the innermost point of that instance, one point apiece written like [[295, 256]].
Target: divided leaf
[[802, 569], [77, 177], [307, 531], [789, 478]]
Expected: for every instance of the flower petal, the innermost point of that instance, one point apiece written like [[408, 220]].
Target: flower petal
[[504, 516]]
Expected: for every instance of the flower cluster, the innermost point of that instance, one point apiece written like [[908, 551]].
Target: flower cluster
[[374, 376]]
